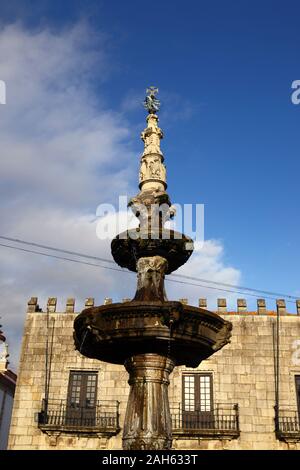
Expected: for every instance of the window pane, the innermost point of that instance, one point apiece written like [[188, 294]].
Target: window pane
[[189, 393], [205, 392]]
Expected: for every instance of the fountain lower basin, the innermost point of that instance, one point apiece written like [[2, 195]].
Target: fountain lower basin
[[117, 331]]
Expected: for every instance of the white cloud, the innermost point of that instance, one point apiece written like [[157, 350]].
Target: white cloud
[[63, 152], [54, 131], [208, 263]]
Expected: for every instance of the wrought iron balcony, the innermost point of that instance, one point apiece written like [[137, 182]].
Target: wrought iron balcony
[[221, 422], [288, 424], [59, 415]]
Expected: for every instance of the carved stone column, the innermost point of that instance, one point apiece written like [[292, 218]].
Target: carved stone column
[[147, 423], [151, 276]]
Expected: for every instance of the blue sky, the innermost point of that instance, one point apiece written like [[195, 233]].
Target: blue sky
[[224, 70], [232, 64]]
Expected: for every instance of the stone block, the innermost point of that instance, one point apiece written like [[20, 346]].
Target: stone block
[[241, 305], [89, 302], [261, 306], [222, 305], [70, 305], [281, 306], [51, 304], [32, 305], [203, 303]]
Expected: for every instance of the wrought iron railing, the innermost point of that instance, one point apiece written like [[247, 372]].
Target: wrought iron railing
[[58, 414], [222, 419], [288, 421]]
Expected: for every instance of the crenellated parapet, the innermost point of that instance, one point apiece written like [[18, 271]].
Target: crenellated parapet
[[242, 308], [51, 305], [221, 306]]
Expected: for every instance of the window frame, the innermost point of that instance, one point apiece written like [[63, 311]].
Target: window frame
[[197, 392], [83, 391]]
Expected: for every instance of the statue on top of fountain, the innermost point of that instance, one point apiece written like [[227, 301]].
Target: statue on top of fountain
[[151, 103]]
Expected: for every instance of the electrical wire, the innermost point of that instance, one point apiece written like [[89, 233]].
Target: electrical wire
[[192, 278], [130, 272]]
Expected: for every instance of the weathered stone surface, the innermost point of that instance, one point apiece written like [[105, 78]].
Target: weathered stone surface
[[114, 332], [129, 246], [151, 275], [147, 422]]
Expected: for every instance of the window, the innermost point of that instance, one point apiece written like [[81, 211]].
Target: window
[[197, 400], [82, 397], [197, 392], [82, 389]]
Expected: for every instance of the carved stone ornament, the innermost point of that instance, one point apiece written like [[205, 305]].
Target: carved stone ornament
[[151, 274]]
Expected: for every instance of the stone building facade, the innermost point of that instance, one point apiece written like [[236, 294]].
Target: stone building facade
[[66, 401]]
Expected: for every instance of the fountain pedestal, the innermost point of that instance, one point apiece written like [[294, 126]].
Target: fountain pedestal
[[147, 423]]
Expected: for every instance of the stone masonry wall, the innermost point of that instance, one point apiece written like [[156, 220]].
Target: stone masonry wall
[[243, 373]]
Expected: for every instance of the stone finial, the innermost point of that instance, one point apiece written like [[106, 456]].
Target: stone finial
[[126, 299], [152, 169], [51, 304], [298, 306], [241, 305], [203, 303], [89, 302], [151, 103], [107, 301], [184, 301], [222, 305], [281, 307], [261, 306], [32, 305], [70, 305]]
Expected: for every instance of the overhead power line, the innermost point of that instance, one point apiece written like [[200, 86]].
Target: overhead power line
[[251, 289], [62, 258], [232, 288], [233, 291], [60, 250], [192, 278]]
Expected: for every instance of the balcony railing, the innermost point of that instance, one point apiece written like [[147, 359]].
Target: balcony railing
[[59, 415], [288, 424], [222, 421]]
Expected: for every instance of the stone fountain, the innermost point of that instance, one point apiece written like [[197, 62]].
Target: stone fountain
[[150, 335]]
